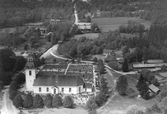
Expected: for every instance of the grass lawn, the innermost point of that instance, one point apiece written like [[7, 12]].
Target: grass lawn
[[112, 24], [64, 111]]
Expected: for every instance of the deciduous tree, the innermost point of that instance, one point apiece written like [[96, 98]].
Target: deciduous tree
[[68, 102]]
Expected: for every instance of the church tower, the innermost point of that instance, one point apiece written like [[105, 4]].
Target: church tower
[[30, 73]]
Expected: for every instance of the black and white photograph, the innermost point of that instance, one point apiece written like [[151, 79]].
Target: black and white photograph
[[83, 57]]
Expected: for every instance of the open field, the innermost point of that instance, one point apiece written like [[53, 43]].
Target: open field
[[112, 24], [88, 35], [119, 105]]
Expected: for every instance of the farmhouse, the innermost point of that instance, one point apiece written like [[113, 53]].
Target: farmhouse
[[107, 52], [59, 78]]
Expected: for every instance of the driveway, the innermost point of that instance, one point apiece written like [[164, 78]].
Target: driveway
[[7, 107]]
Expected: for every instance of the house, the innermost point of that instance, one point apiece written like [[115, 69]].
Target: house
[[154, 89], [58, 78], [157, 61], [107, 52]]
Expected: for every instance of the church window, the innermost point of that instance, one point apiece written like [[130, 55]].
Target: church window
[[69, 89], [30, 73], [47, 89], [62, 89]]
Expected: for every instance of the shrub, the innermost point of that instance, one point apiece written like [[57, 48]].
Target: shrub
[[18, 101], [38, 102], [122, 85], [91, 104], [28, 101], [68, 102], [48, 101], [57, 101]]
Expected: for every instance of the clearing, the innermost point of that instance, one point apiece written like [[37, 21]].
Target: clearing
[[112, 24]]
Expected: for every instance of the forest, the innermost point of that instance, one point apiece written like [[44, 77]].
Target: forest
[[17, 12]]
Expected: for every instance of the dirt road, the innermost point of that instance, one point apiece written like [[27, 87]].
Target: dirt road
[[8, 107]]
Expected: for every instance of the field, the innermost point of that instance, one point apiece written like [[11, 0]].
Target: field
[[112, 24], [88, 35]]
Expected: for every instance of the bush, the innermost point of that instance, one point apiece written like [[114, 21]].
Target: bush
[[101, 98], [122, 85], [68, 102], [38, 102], [91, 104], [18, 101], [28, 101], [57, 101], [48, 101]]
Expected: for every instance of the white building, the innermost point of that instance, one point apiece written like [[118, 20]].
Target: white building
[[58, 78]]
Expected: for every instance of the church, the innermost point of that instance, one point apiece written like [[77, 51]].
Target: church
[[59, 78]]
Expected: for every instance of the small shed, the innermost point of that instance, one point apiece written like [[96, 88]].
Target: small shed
[[154, 89]]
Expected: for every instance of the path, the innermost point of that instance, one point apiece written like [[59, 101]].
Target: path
[[8, 107], [53, 51]]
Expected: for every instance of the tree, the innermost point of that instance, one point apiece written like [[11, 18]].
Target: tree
[[48, 101], [7, 59], [28, 101], [142, 86], [122, 85], [12, 94], [57, 101], [101, 98], [18, 101], [25, 46], [38, 102], [1, 85], [20, 63], [125, 67], [145, 73], [125, 50], [91, 103], [20, 78], [68, 102], [88, 19]]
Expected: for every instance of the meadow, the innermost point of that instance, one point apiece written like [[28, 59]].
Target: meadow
[[106, 24], [112, 24]]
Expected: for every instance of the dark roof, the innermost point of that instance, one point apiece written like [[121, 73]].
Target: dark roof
[[58, 80], [107, 51], [88, 85], [155, 61], [53, 66]]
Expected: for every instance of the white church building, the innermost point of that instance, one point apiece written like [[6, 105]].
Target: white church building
[[53, 79]]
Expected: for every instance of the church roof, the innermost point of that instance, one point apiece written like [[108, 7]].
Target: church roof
[[58, 80]]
